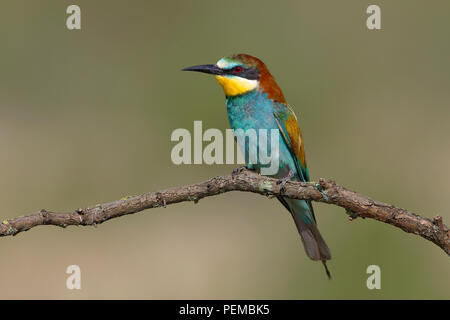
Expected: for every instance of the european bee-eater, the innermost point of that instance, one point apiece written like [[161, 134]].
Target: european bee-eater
[[255, 101]]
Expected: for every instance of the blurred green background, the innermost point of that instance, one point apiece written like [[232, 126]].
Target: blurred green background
[[86, 117]]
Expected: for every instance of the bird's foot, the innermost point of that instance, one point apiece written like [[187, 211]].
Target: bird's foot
[[351, 215], [237, 171], [161, 199], [283, 181]]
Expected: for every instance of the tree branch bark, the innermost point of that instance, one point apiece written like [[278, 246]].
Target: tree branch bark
[[355, 204]]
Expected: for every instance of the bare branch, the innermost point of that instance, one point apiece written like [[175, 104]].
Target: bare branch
[[325, 191]]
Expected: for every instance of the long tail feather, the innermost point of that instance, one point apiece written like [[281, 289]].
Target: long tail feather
[[314, 244], [326, 269]]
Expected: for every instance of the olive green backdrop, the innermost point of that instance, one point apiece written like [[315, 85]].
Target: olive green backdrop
[[86, 117]]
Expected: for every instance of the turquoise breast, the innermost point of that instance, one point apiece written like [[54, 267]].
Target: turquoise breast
[[254, 110]]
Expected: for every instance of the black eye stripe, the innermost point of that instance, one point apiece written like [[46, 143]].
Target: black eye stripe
[[247, 73]]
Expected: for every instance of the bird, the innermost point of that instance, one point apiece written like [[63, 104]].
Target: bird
[[255, 101]]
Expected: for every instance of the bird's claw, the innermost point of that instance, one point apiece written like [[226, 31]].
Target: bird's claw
[[237, 171], [161, 199], [351, 215], [283, 181]]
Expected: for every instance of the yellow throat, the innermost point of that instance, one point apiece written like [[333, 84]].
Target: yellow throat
[[233, 86]]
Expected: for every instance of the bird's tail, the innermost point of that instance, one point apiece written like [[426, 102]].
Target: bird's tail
[[314, 245]]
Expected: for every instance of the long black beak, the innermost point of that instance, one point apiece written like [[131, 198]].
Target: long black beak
[[205, 68]]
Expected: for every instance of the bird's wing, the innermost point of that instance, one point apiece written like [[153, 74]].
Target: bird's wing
[[304, 217], [290, 130], [292, 136]]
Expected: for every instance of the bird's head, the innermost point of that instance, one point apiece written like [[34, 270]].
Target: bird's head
[[241, 73]]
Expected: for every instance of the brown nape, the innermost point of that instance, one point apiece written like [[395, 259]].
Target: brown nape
[[266, 80]]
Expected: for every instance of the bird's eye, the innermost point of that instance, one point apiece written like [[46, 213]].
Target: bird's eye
[[238, 69]]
